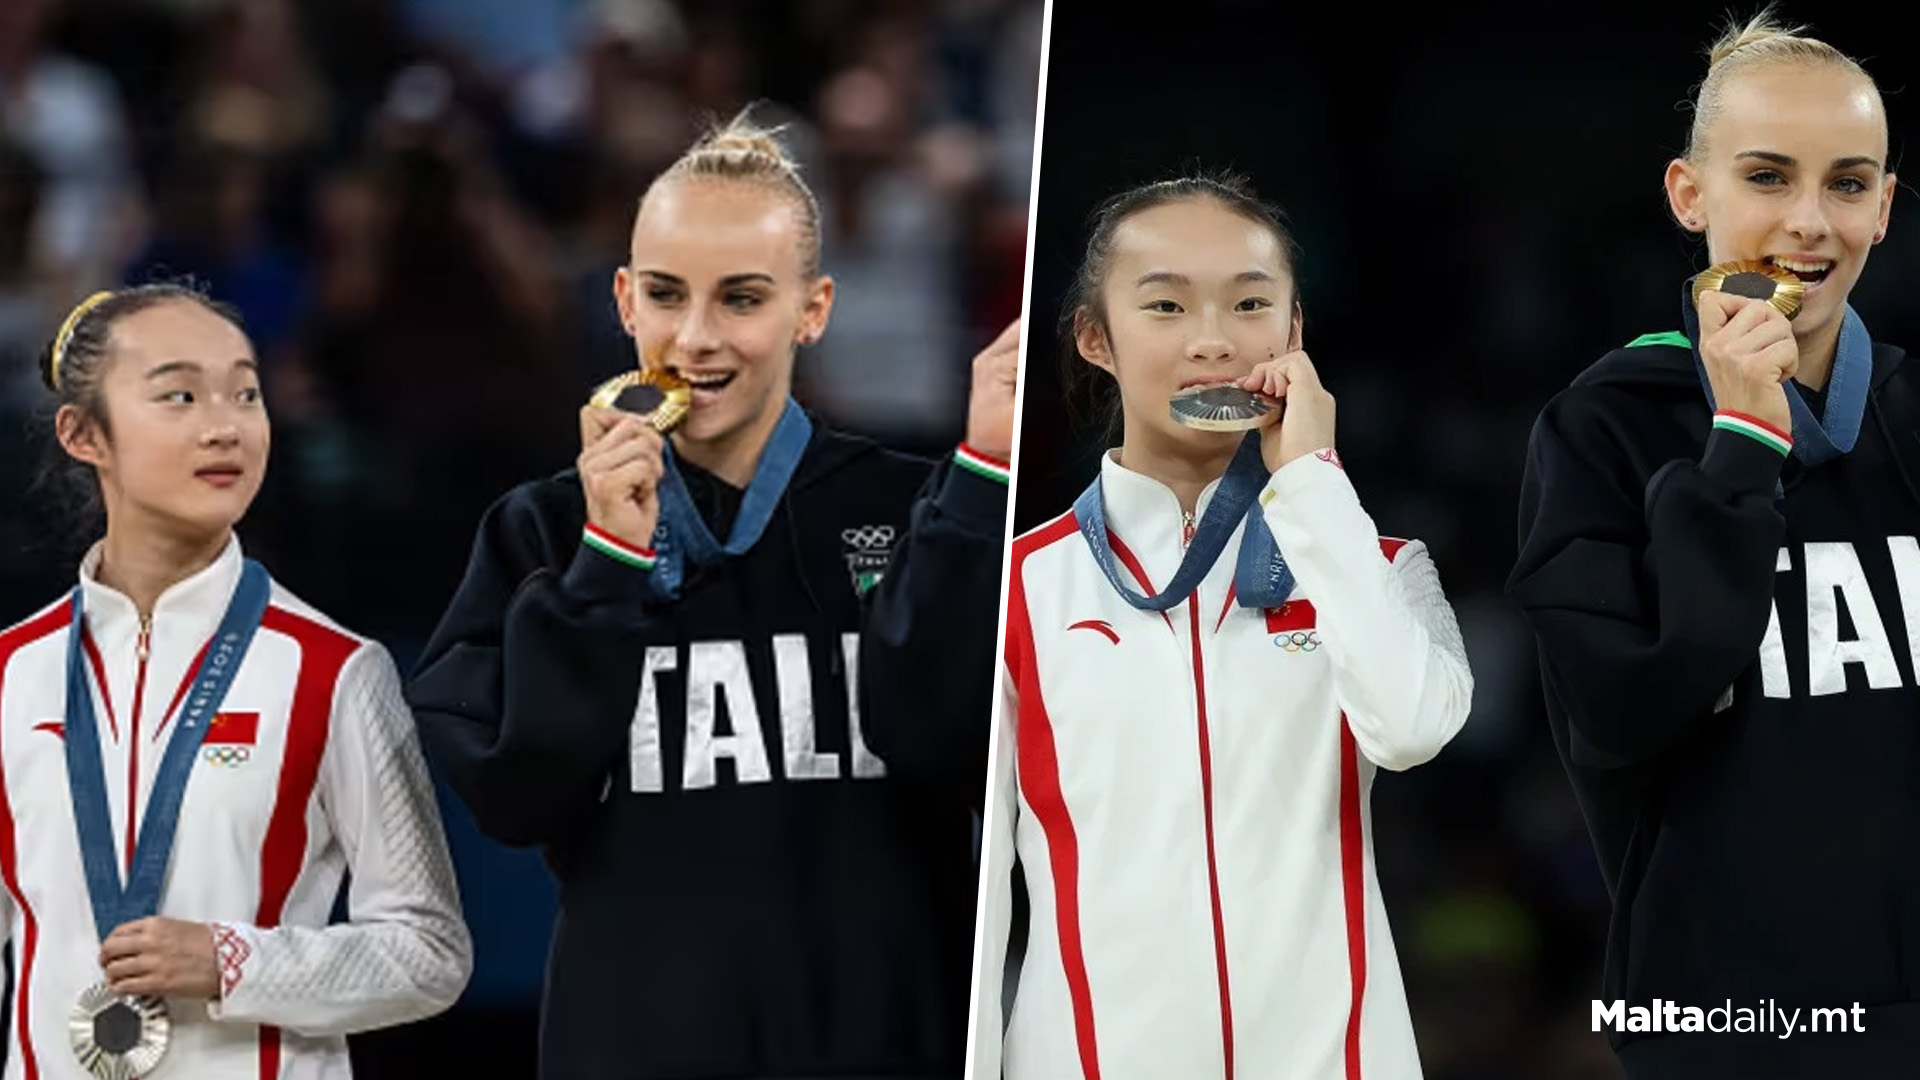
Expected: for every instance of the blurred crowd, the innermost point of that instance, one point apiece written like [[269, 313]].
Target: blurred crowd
[[418, 206]]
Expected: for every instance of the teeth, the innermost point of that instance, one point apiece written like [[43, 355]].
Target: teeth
[[1799, 267], [708, 380]]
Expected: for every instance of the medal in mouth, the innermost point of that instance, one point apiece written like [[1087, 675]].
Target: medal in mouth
[[1221, 407], [676, 393], [1758, 279]]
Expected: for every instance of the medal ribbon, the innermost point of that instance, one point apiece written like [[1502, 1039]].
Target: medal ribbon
[[1261, 576], [682, 537], [86, 777]]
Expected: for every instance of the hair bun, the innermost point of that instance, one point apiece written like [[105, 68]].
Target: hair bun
[[741, 142], [1762, 27]]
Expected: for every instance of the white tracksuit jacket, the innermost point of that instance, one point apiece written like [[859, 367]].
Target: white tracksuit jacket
[[1187, 795], [311, 767]]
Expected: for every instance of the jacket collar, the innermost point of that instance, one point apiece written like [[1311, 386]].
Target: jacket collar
[[190, 608], [1145, 514]]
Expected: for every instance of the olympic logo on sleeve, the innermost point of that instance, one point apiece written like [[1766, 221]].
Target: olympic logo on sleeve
[[1297, 641]]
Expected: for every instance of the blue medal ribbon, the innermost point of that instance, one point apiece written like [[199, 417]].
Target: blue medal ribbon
[[682, 538], [1816, 439], [113, 905], [1261, 578]]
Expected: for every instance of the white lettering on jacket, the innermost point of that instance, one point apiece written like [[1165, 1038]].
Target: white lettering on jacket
[[1835, 580], [718, 676]]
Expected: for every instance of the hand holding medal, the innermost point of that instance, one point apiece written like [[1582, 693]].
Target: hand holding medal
[[1746, 342], [1282, 395], [621, 447], [161, 957], [1306, 423]]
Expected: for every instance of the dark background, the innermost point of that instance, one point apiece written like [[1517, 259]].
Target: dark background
[[1479, 199], [418, 206]]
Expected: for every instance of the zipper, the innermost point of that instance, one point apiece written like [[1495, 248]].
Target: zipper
[[1206, 795], [143, 648], [1186, 529]]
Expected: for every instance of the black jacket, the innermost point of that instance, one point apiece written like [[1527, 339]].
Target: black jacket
[[745, 889], [1728, 641]]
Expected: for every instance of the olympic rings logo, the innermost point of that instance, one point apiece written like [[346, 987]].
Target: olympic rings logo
[[868, 537], [1298, 641], [230, 756]]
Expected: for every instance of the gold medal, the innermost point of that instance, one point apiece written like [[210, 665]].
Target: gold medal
[[116, 1037], [1222, 408], [676, 394], [1756, 280]]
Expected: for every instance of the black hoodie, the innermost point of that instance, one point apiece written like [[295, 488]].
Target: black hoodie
[[1728, 641], [746, 889]]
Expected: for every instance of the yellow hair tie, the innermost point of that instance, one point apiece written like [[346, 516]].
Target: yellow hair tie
[[61, 340]]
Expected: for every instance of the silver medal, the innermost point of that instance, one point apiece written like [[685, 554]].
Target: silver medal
[[117, 1037], [1221, 408]]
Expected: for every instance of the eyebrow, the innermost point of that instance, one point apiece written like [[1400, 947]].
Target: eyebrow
[[730, 279], [1787, 161], [1168, 277], [189, 367]]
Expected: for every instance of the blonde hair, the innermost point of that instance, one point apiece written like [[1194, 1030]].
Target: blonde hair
[[1760, 40], [745, 152]]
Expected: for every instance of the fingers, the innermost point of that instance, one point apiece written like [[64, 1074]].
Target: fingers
[[127, 939], [1299, 369], [1717, 309], [595, 423], [130, 967], [607, 459], [1773, 327], [1008, 341], [638, 475], [1275, 377], [625, 430], [1755, 328], [1265, 378], [1783, 357], [1733, 317], [999, 362], [1750, 318]]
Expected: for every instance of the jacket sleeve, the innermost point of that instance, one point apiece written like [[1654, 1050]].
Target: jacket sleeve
[[405, 953], [996, 889], [526, 692], [1400, 671], [927, 650], [1647, 600]]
